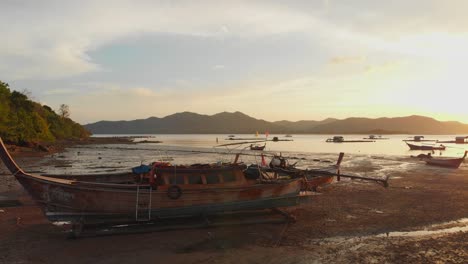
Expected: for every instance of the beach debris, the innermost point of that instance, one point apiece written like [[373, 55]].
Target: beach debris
[[18, 220], [43, 148], [61, 223], [210, 235], [2, 211], [148, 141], [285, 228], [63, 166]]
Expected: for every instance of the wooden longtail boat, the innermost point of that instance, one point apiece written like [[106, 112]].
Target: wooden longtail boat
[[425, 147], [164, 191], [449, 163]]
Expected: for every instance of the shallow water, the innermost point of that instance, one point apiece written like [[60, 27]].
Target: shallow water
[[461, 225], [394, 145], [376, 159]]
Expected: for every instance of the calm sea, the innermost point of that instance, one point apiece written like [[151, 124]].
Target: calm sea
[[394, 145], [379, 158]]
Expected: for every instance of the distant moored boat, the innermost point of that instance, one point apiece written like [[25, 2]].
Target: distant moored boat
[[425, 147]]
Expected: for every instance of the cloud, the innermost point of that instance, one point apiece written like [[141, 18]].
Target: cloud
[[60, 91], [145, 92], [52, 39], [347, 59], [219, 67]]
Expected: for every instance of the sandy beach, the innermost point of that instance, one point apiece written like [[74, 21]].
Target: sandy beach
[[346, 222]]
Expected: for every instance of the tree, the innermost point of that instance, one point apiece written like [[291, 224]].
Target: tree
[[64, 111], [22, 120]]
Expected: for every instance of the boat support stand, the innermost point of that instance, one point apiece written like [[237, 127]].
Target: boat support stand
[[80, 229]]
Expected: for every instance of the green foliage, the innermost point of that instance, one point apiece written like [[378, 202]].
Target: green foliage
[[22, 120]]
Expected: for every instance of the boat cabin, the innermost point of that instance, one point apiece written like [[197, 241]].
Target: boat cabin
[[418, 138], [338, 139], [201, 174], [461, 140]]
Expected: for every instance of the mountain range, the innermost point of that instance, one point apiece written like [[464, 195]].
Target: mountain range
[[240, 123]]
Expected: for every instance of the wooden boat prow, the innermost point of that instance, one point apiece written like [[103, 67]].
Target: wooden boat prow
[[448, 163], [176, 191]]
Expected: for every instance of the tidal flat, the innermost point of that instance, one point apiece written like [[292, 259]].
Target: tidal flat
[[347, 221]]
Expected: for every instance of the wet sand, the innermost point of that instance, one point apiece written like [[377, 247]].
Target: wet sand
[[347, 222]]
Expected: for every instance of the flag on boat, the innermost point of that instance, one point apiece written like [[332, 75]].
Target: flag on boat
[[267, 134]]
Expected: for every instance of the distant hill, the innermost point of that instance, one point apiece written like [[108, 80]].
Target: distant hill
[[303, 126], [186, 123], [404, 125], [239, 123]]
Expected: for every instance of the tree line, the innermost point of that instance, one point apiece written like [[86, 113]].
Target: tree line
[[23, 121]]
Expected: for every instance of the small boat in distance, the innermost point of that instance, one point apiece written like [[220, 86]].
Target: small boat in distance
[[335, 139], [419, 139], [374, 137], [340, 139], [425, 147], [288, 135], [448, 163], [458, 140], [257, 147]]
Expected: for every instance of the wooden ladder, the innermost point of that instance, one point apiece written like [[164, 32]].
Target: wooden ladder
[[143, 202]]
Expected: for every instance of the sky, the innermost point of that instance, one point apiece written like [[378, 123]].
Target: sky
[[272, 59]]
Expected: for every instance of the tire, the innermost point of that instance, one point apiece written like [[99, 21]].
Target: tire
[[174, 192]]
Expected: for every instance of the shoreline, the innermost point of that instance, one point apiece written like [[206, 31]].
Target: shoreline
[[43, 149]]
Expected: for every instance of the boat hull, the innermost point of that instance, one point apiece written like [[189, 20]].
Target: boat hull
[[448, 163], [176, 212], [61, 200], [312, 183], [452, 163], [417, 147]]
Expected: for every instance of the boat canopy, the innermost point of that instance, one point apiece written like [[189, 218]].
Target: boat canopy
[[461, 139], [338, 138]]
